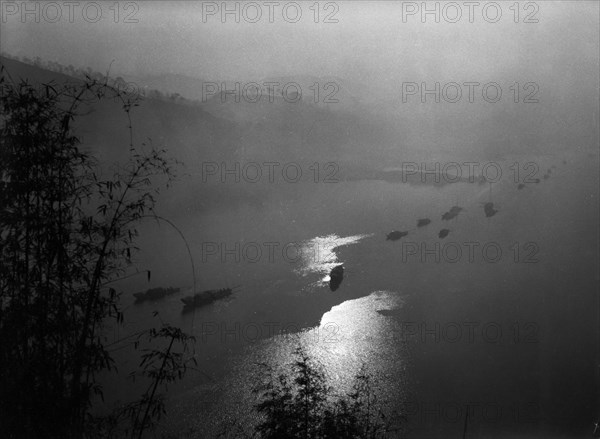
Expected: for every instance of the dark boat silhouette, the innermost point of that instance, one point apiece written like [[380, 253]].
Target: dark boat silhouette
[[336, 276], [443, 233], [452, 213], [154, 293], [489, 210], [448, 216], [395, 235], [206, 297], [520, 186], [423, 222]]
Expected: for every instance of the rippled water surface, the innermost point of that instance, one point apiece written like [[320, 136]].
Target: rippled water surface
[[398, 309]]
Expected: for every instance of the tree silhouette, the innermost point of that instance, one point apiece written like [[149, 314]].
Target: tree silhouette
[[302, 405], [65, 234]]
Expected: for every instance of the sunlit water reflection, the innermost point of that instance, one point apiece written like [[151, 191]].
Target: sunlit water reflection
[[350, 335], [555, 294], [318, 255]]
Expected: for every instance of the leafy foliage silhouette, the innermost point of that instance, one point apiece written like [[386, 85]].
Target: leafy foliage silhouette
[[304, 406], [66, 233]]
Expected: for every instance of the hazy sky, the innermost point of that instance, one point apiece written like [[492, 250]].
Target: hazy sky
[[370, 41]]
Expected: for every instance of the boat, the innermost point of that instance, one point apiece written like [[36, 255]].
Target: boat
[[452, 213], [336, 276], [206, 297], [395, 235], [155, 293], [489, 210], [423, 222]]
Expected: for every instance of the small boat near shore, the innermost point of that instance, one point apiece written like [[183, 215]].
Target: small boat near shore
[[336, 276], [155, 293], [206, 297]]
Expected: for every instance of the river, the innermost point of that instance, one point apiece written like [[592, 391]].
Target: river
[[499, 319]]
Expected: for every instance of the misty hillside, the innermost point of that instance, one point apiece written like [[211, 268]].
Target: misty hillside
[[363, 127], [231, 131], [362, 139], [398, 131]]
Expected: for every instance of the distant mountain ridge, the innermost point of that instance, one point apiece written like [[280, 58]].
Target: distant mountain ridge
[[282, 132]]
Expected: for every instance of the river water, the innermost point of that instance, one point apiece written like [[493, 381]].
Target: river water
[[499, 319]]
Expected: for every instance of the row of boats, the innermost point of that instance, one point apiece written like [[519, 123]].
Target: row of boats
[[336, 275], [488, 209]]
